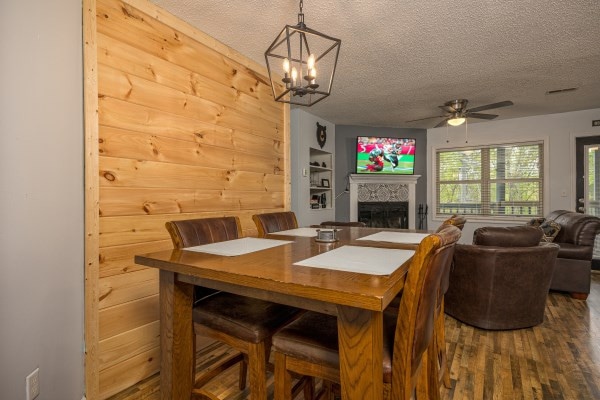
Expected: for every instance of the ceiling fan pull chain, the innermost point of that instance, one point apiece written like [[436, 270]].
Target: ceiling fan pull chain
[[447, 141], [467, 130]]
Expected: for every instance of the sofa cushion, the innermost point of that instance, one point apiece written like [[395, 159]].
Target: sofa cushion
[[550, 229], [511, 236], [536, 221]]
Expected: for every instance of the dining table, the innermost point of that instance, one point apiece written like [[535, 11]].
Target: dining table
[[283, 274]]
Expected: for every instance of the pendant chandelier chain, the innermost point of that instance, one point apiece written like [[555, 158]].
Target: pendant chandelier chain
[[301, 15]]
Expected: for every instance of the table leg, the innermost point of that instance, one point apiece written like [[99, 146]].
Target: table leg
[[176, 338], [360, 336]]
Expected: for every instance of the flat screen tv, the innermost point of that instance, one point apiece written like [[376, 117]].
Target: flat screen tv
[[385, 155]]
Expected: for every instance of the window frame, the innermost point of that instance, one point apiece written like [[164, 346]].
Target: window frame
[[542, 142]]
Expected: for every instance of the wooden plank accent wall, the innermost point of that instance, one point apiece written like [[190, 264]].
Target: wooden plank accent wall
[[178, 126]]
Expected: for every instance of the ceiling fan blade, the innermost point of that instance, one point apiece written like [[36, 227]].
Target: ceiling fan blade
[[482, 116], [441, 123], [449, 109], [491, 106], [422, 119]]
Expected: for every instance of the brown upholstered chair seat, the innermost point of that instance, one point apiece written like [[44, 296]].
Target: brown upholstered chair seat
[[313, 338], [251, 320]]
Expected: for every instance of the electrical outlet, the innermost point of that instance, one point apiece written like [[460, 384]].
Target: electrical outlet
[[32, 385]]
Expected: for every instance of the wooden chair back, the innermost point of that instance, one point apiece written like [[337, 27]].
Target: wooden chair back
[[415, 323], [195, 232], [458, 221], [274, 222]]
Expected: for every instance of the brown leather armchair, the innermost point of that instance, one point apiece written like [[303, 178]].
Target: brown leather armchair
[[574, 263], [502, 280]]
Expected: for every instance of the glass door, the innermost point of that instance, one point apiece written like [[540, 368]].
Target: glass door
[[591, 179]]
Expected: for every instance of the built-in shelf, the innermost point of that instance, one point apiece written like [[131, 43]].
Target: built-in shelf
[[307, 157], [321, 178]]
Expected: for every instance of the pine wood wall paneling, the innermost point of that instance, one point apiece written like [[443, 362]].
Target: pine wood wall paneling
[[132, 230], [122, 288], [123, 317], [119, 172], [120, 376], [187, 129], [135, 201], [122, 86], [115, 53], [121, 143], [116, 260], [133, 27], [115, 349], [119, 114], [91, 287]]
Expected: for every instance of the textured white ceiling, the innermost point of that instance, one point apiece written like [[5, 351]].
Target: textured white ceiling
[[400, 59]]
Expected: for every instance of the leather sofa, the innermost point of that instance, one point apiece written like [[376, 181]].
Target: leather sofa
[[501, 281], [576, 236]]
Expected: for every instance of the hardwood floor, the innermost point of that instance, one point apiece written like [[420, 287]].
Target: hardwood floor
[[557, 360]]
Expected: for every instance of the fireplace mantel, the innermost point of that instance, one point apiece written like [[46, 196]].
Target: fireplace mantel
[[389, 186]]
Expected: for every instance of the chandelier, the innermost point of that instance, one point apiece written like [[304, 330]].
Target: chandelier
[[297, 54]]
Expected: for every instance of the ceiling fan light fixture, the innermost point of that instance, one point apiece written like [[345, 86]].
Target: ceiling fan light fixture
[[456, 121]]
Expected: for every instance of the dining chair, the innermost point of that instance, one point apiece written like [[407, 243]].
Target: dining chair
[[244, 323], [274, 222], [309, 345], [439, 365]]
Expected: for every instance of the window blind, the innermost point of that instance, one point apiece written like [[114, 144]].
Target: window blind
[[496, 180]]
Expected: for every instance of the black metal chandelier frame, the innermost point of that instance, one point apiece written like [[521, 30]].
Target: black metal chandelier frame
[[303, 89]]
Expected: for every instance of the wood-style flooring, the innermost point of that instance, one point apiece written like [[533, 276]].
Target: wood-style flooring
[[557, 360]]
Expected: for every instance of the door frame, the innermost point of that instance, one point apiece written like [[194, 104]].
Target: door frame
[[573, 171]]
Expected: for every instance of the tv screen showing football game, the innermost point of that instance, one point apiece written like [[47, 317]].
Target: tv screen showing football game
[[385, 155]]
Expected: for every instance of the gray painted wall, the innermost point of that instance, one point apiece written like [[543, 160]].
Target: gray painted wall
[[41, 198], [345, 148]]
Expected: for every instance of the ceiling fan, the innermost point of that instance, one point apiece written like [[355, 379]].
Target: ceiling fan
[[457, 112]]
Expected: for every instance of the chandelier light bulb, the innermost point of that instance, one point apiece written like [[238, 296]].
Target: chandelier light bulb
[[286, 65], [310, 62], [294, 75]]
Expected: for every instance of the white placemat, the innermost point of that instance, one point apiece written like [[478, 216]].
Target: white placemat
[[396, 237], [238, 247], [366, 260], [307, 232]]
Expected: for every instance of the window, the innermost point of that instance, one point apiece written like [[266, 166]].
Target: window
[[498, 180]]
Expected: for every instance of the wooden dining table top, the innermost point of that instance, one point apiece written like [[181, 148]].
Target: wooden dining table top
[[271, 274]]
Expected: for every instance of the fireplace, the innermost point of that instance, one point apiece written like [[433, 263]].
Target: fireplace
[[388, 191], [388, 214]]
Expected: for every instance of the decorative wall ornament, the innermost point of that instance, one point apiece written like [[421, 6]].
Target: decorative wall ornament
[[321, 134]]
